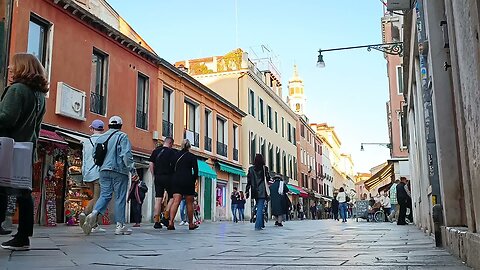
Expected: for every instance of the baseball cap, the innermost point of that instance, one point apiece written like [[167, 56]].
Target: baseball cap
[[115, 120], [97, 124]]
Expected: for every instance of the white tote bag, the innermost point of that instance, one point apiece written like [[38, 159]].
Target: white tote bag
[[15, 163]]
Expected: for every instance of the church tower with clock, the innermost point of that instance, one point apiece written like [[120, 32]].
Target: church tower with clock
[[296, 95]]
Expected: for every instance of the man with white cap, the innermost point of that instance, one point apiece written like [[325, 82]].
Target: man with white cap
[[115, 166], [90, 171]]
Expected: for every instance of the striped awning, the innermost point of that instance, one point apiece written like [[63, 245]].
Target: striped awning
[[385, 173]]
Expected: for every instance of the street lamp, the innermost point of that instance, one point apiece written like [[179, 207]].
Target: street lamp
[[392, 48], [388, 145]]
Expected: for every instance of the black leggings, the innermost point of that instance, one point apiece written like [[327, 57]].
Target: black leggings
[[25, 210]]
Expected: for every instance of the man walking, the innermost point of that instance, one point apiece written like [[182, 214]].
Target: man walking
[[234, 198], [90, 171], [402, 198], [113, 153], [162, 169], [395, 208]]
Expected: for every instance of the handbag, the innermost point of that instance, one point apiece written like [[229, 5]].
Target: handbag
[[267, 188]]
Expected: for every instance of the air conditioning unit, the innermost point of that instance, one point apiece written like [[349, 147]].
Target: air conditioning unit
[[394, 5], [70, 102]]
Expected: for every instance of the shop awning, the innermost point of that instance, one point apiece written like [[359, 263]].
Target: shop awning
[[231, 169], [297, 190], [72, 137], [205, 170], [385, 173], [50, 136], [385, 187], [317, 195], [326, 198]]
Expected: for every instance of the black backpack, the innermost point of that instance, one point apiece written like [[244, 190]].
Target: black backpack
[[101, 151]]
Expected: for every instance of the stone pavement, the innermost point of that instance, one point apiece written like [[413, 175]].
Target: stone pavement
[[308, 244]]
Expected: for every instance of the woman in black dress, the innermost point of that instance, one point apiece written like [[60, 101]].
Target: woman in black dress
[[183, 183]]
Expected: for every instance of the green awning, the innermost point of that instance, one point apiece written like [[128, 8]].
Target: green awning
[[230, 169], [205, 170], [293, 189]]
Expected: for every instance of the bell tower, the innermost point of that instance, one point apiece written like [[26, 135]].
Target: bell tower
[[296, 95]]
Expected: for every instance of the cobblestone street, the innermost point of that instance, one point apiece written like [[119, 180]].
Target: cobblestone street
[[299, 245]]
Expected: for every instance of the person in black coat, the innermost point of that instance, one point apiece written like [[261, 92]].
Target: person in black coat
[[257, 179], [335, 205], [279, 201], [403, 195], [136, 196], [183, 183]]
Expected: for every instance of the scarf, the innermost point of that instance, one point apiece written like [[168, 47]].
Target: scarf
[[280, 188]]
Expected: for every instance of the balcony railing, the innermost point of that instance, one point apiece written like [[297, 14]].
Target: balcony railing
[[142, 120], [208, 143], [167, 129], [195, 135], [221, 149], [97, 103], [235, 154]]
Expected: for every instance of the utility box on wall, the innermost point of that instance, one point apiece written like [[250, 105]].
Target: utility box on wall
[[70, 102], [395, 5]]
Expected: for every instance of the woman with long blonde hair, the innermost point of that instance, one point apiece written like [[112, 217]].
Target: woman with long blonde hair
[[22, 107]]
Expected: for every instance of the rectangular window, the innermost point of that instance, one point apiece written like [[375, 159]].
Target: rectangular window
[[269, 117], [98, 86], [253, 147], [167, 125], [271, 158], [283, 127], [208, 130], [251, 103], [276, 122], [302, 131], [289, 130], [235, 142], [261, 113], [38, 38], [221, 146], [278, 160], [143, 88], [400, 79], [191, 126], [294, 136]]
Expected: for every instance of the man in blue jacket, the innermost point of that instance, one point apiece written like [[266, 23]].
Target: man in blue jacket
[[114, 172]]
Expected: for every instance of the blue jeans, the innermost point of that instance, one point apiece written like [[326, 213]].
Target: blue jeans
[[113, 182], [241, 214], [343, 211], [234, 212], [259, 217], [183, 208]]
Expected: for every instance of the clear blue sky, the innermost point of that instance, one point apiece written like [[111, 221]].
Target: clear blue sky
[[350, 93]]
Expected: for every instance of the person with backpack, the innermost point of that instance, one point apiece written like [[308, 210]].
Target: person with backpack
[[113, 154], [136, 196], [257, 181], [162, 169], [90, 171]]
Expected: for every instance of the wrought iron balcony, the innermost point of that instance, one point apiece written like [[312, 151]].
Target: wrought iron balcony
[[167, 129], [235, 154], [222, 149], [142, 120], [208, 143], [97, 103], [196, 137]]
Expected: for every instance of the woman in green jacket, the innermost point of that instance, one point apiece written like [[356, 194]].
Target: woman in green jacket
[[22, 107]]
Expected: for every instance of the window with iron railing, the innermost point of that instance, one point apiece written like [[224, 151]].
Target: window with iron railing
[[235, 154], [193, 137], [222, 149], [98, 86], [142, 101], [208, 143], [167, 129]]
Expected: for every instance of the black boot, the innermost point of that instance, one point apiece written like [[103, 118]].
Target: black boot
[[4, 232]]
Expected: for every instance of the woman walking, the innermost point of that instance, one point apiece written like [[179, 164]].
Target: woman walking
[[278, 194], [342, 200], [257, 180], [335, 205], [136, 195], [22, 107], [183, 183], [241, 206]]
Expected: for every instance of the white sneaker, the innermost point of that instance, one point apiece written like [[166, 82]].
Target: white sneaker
[[98, 229], [182, 223], [90, 223], [81, 219], [122, 230], [186, 223]]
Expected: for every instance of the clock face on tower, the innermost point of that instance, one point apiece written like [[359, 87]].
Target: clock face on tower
[[297, 107]]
